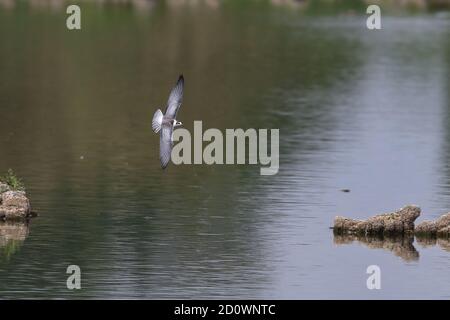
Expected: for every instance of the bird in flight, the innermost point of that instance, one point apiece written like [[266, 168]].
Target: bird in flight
[[165, 123]]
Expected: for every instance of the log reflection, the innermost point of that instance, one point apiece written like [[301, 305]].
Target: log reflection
[[401, 246]]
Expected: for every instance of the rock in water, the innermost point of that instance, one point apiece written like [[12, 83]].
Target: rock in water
[[14, 205], [439, 227], [395, 223]]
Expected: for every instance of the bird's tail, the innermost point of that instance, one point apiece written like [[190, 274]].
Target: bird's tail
[[157, 121]]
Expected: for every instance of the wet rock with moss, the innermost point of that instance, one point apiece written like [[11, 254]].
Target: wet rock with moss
[[14, 203]]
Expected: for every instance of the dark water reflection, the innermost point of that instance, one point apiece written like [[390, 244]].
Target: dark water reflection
[[356, 109]]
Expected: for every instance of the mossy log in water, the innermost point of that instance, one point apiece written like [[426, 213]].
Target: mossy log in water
[[395, 223], [438, 228], [14, 205]]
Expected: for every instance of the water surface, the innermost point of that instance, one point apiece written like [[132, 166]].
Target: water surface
[[357, 109]]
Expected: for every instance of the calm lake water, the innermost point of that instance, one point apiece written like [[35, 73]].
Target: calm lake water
[[362, 110]]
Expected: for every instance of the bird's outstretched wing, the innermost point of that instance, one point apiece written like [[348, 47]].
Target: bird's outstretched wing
[[175, 99], [165, 144]]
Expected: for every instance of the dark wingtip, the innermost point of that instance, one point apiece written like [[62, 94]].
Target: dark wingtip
[[164, 166], [181, 78]]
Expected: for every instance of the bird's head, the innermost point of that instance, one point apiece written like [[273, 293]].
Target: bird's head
[[177, 123]]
